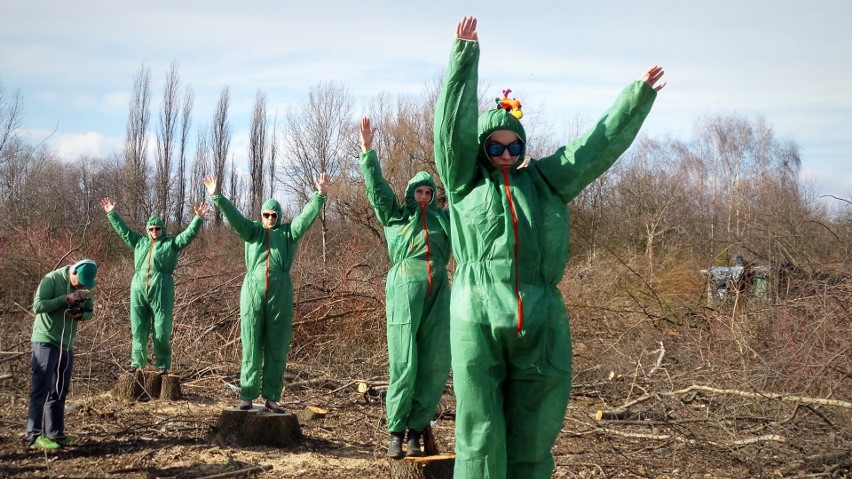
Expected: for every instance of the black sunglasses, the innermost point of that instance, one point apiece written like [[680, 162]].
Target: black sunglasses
[[270, 215], [497, 149], [154, 228]]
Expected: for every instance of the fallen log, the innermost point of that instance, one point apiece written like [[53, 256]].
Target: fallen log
[[311, 413]]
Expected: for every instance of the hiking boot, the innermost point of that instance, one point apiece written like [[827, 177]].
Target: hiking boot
[[44, 442], [414, 444], [395, 445]]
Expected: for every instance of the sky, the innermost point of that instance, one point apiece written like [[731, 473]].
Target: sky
[[786, 61]]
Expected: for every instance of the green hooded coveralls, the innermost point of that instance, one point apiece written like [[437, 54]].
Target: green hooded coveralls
[[266, 298], [152, 290], [510, 340], [417, 297]]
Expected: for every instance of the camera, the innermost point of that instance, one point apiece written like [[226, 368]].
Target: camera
[[79, 308]]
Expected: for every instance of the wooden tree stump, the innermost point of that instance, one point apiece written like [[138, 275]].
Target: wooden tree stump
[[255, 427], [153, 384], [170, 388], [142, 385], [426, 467], [433, 465], [130, 386]]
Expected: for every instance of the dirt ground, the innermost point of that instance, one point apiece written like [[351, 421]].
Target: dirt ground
[[696, 433]]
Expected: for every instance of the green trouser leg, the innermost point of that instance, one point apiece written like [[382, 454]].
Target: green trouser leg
[[279, 332], [252, 332], [404, 304], [141, 316], [163, 327], [433, 346]]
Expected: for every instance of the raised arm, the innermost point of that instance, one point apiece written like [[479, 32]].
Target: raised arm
[[379, 192], [300, 224], [130, 237], [456, 112], [244, 227], [577, 164], [186, 236]]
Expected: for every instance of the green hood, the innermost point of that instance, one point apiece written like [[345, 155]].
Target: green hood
[[272, 205], [155, 220], [499, 119], [420, 179]]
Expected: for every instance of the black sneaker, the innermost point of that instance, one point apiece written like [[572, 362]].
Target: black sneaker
[[395, 445]]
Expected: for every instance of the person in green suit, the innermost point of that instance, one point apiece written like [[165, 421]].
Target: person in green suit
[[510, 337], [417, 298], [266, 298], [152, 290]]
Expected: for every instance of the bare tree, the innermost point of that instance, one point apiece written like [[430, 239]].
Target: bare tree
[[136, 144], [11, 109], [166, 131], [320, 139], [180, 186], [200, 166], [273, 156], [220, 138], [257, 153]]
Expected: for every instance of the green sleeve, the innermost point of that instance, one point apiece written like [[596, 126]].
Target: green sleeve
[[379, 192], [576, 165], [130, 237], [45, 301], [306, 218], [456, 120], [245, 228], [186, 236]]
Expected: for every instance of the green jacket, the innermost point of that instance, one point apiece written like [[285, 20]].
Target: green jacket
[[152, 258], [512, 229], [281, 242], [51, 325], [403, 223]]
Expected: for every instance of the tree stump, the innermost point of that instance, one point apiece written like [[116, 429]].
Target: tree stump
[[256, 427], [426, 467], [433, 465], [153, 384], [170, 388], [130, 386], [142, 385]]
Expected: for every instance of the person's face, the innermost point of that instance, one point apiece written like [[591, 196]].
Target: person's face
[[504, 140], [75, 281], [270, 219], [423, 195], [155, 232]]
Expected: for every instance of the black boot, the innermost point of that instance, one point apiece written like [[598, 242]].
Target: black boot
[[414, 443], [395, 445]]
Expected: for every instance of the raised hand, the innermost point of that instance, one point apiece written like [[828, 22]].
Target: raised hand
[[322, 184], [201, 209], [466, 29], [210, 184], [108, 204], [652, 76], [367, 132]]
